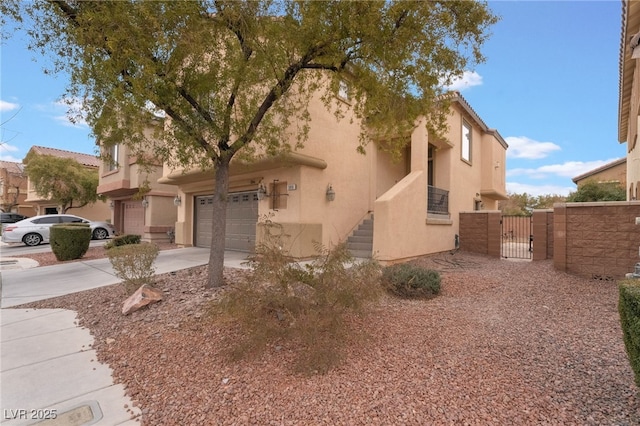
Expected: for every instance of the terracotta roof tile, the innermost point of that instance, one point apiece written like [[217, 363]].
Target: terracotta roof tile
[[84, 159], [12, 167]]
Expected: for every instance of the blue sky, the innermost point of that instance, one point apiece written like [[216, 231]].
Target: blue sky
[[549, 86]]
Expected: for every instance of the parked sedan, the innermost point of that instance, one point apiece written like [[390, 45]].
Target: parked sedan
[[11, 217], [35, 230]]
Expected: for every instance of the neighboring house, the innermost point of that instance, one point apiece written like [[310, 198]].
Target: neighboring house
[[328, 193], [613, 172], [139, 204], [98, 211], [13, 189], [629, 95]]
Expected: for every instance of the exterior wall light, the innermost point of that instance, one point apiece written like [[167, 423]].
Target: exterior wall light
[[177, 201], [111, 205], [331, 194], [145, 202], [262, 192]]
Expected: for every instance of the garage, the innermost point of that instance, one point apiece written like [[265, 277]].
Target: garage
[[132, 217], [242, 217]]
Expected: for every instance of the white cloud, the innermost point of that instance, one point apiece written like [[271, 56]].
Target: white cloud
[[64, 108], [5, 153], [536, 190], [8, 106], [523, 147], [568, 169], [468, 79]]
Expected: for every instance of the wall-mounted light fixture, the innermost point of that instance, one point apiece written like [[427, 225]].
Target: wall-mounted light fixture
[[262, 192], [177, 201], [145, 202], [111, 205], [331, 194]]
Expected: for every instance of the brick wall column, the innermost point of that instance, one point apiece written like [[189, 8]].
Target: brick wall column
[[494, 233], [560, 237], [539, 230]]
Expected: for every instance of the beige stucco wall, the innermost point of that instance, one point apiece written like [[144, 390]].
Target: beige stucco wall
[[124, 183], [309, 215], [99, 211], [402, 228], [629, 96], [616, 173], [633, 148], [394, 192]]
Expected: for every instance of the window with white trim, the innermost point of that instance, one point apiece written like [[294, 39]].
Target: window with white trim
[[111, 161], [466, 142]]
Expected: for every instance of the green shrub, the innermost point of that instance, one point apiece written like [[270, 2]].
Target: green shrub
[[302, 307], [629, 309], [411, 281], [70, 241], [123, 240], [134, 264]]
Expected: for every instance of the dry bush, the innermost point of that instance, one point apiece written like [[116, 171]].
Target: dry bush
[[305, 307], [134, 264]]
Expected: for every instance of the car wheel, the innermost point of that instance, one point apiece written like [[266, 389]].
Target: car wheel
[[32, 239], [100, 233]]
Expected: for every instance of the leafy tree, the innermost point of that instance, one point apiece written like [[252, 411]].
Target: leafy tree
[[597, 191], [62, 180], [523, 204], [234, 78], [15, 178]]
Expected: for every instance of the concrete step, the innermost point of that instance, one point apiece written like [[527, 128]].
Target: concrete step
[[363, 254], [363, 233], [366, 224], [360, 239], [360, 242], [360, 246]]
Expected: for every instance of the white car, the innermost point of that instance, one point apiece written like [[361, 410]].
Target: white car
[[35, 230]]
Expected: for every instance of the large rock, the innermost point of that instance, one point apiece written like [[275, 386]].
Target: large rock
[[142, 297]]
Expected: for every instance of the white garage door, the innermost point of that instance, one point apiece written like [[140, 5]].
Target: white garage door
[[242, 216], [133, 217]]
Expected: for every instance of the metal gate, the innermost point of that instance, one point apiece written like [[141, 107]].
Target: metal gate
[[517, 237]]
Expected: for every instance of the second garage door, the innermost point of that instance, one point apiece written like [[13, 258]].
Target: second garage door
[[242, 217], [133, 217]]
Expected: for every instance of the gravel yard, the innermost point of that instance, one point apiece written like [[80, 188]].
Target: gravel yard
[[514, 343]]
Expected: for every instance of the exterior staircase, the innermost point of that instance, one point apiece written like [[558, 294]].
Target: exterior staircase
[[360, 242]]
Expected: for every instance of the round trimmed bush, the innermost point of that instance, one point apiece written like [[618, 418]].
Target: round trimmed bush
[[70, 241], [411, 281], [123, 240]]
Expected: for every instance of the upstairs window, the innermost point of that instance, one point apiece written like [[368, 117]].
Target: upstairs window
[[466, 142], [111, 161]]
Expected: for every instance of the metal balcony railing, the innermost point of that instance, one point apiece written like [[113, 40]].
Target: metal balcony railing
[[437, 200]]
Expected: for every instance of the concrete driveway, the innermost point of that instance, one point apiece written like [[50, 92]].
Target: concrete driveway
[[19, 286]]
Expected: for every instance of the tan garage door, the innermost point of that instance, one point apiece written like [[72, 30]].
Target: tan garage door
[[242, 216], [133, 217]]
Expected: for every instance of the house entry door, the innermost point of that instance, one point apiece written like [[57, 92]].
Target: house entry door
[[517, 237]]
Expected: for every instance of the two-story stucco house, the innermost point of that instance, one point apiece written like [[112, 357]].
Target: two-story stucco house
[[629, 96], [139, 204], [43, 205], [13, 188], [328, 193]]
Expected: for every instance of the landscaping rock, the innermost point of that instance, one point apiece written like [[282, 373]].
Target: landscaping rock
[[142, 297]]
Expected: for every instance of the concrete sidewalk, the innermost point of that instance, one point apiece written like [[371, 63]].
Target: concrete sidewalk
[[49, 372], [19, 286]]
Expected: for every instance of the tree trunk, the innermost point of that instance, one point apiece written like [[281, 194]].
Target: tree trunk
[[218, 227]]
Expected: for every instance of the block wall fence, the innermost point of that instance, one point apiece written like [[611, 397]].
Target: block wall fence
[[593, 240]]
